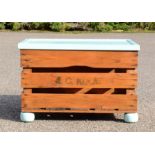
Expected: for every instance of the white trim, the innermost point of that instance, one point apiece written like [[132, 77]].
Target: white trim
[[80, 44]]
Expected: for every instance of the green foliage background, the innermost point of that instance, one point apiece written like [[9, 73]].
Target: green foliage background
[[78, 26]]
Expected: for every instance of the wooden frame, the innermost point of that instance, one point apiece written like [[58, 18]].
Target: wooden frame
[[103, 81]]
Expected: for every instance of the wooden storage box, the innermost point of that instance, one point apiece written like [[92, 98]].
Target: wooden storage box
[[78, 75]]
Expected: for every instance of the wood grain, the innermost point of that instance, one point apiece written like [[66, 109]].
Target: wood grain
[[88, 101], [100, 111], [79, 80], [131, 91], [83, 90], [34, 76], [100, 59]]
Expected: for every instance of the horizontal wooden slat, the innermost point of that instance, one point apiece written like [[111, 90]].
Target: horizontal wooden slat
[[79, 80], [99, 102], [79, 110], [98, 59]]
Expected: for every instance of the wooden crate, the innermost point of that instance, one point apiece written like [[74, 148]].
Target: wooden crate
[[79, 81]]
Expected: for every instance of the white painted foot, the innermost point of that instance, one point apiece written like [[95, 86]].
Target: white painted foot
[[27, 117], [131, 117]]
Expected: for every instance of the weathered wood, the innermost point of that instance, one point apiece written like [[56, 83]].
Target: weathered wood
[[112, 71], [89, 101], [27, 91], [132, 71], [131, 91], [100, 59], [27, 70], [79, 110], [110, 91], [83, 91], [79, 80], [100, 90]]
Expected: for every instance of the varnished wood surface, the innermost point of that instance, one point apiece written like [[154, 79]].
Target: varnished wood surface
[[45, 58], [83, 101], [110, 71], [79, 80]]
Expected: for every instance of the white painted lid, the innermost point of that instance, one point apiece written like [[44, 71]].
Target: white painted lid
[[80, 44]]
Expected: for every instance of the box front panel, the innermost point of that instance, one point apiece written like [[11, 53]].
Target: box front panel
[[79, 81]]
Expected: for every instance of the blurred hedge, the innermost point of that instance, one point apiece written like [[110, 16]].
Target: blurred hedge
[[78, 26]]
